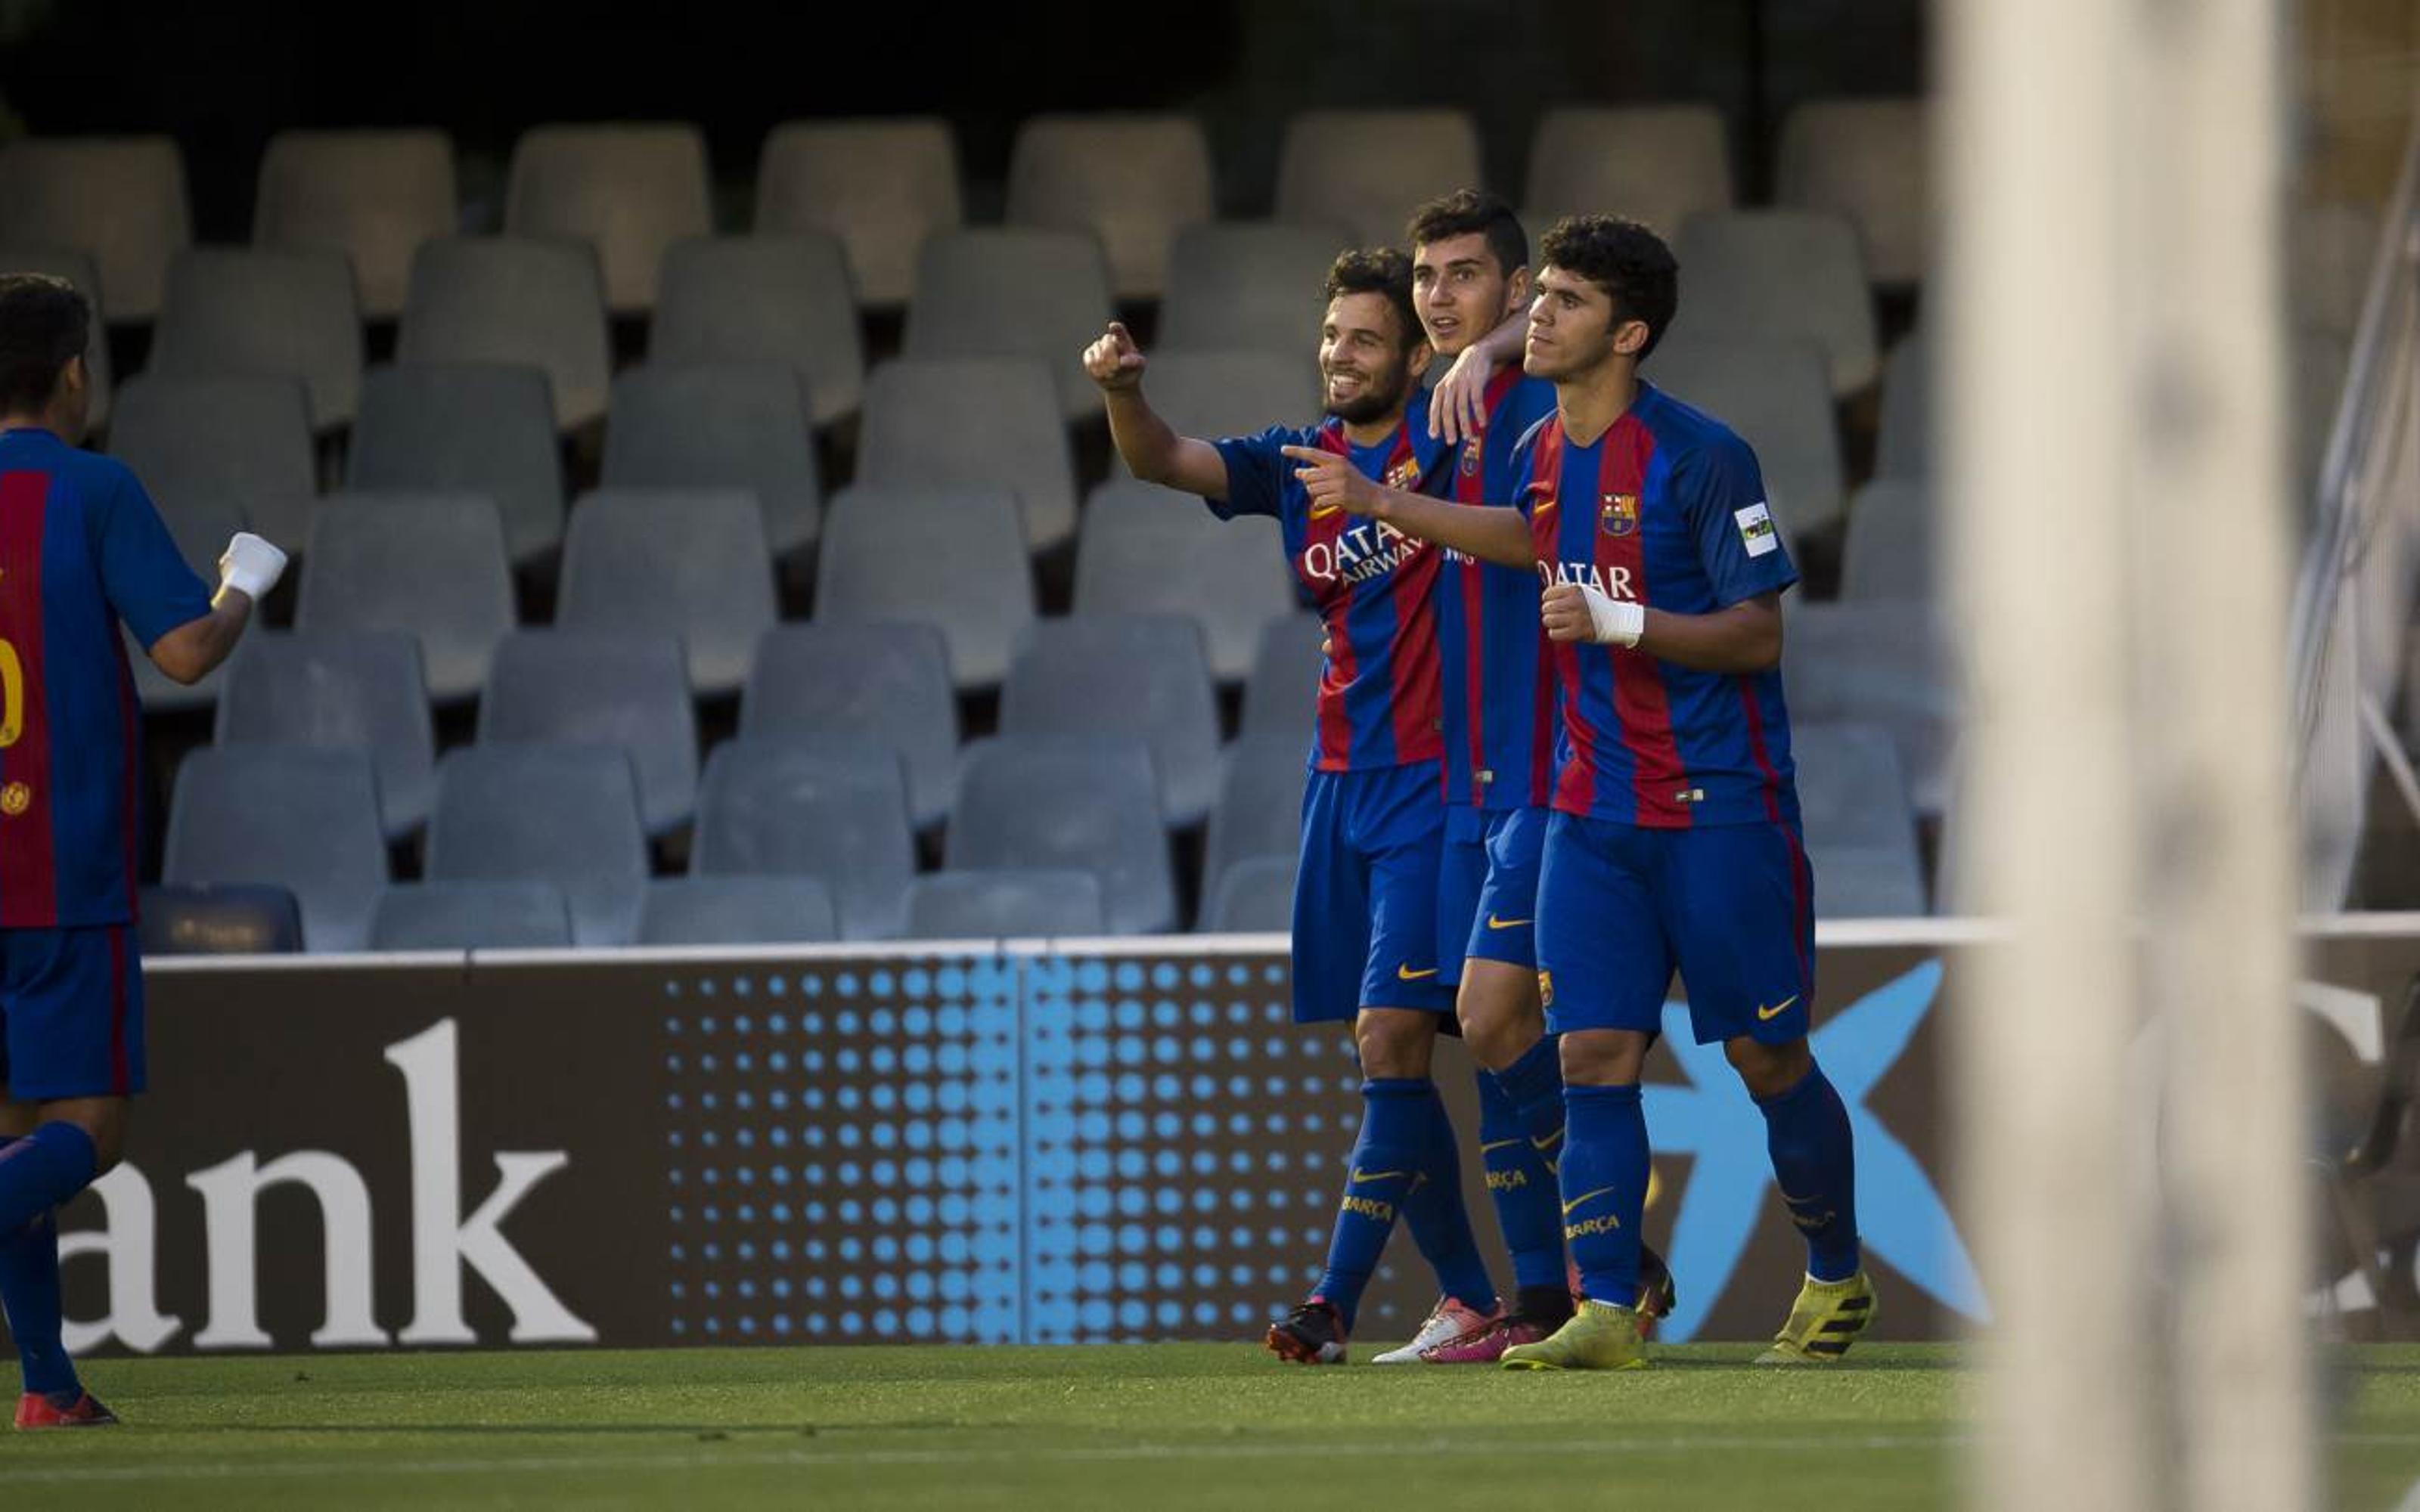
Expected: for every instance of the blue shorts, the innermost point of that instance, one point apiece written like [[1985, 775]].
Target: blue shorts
[[1365, 895], [72, 1001], [1730, 906], [1462, 877], [1504, 926]]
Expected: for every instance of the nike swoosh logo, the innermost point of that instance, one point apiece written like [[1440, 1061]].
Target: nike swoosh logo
[[1493, 922], [1502, 1144], [1407, 974], [1359, 1175], [1550, 1141], [1587, 1196], [1323, 510], [1767, 1014]]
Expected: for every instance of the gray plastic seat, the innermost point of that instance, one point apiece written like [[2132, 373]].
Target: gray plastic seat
[[831, 806], [738, 911], [1370, 169], [628, 190], [477, 428], [1211, 394], [973, 424], [202, 528], [882, 186], [1250, 286], [882, 682], [884, 549], [1860, 829], [1258, 811], [1254, 896], [1003, 905], [1129, 180], [232, 311], [296, 818], [513, 301], [79, 269], [374, 196], [1782, 275], [1887, 664], [1124, 674], [119, 200], [564, 814], [339, 691], [220, 918], [1903, 440], [685, 563], [1863, 161], [1233, 582], [1890, 552], [721, 425], [245, 441], [472, 916], [625, 689], [1055, 802], [764, 298], [431, 566], [1281, 696], [1772, 392], [1011, 292], [1658, 164]]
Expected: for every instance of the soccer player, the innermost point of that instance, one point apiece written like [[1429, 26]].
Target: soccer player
[[1675, 838], [80, 549], [1365, 900]]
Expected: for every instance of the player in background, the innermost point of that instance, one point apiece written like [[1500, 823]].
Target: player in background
[[1365, 897], [1675, 838], [81, 549]]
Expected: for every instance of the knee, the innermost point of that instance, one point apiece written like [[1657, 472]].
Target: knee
[[1602, 1057], [1394, 1043], [1768, 1070], [103, 1122], [1497, 1023]]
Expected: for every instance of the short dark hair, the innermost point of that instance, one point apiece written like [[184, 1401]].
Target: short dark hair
[[1627, 260], [1466, 210], [43, 324], [1379, 271]]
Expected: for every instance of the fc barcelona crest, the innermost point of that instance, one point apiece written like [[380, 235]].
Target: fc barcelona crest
[[1405, 474], [1470, 456], [1619, 516]]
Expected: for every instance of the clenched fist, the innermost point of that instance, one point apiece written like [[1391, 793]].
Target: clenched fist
[[1114, 361]]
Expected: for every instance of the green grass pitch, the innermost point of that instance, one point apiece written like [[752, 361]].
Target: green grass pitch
[[1142, 1426]]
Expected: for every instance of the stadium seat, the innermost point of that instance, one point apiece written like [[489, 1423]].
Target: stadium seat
[[1860, 830], [472, 916], [1774, 393], [882, 682], [465, 429], [1890, 552], [1124, 674], [1132, 182], [764, 300], [1259, 811], [721, 425], [1659, 164], [77, 268], [564, 814], [1254, 896], [339, 691], [1055, 802], [1248, 286], [513, 301], [245, 441], [1903, 442], [119, 200], [1370, 169], [1213, 394], [1146, 550], [882, 186], [629, 191], [201, 529], [973, 424], [831, 806], [1886, 663], [1779, 276], [431, 566], [374, 195], [1863, 161], [1003, 905], [885, 548], [625, 689], [738, 911], [296, 818], [232, 312], [1281, 696], [231, 919], [1012, 292], [678, 561]]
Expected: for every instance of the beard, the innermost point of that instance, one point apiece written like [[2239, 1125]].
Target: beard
[[1381, 394]]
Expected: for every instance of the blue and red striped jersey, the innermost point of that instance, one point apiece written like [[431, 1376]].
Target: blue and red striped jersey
[[81, 548], [1374, 586], [1499, 677], [1667, 509]]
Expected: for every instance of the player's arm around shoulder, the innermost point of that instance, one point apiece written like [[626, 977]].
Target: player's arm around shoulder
[[1153, 449]]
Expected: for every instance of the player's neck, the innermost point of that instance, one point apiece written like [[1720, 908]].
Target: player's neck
[[1590, 402], [25, 421], [1371, 432]]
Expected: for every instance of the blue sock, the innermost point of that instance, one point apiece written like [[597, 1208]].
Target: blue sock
[[1807, 1132], [1386, 1163], [1439, 1221], [1535, 1084], [42, 1170], [29, 1290], [1526, 1205], [1604, 1189]]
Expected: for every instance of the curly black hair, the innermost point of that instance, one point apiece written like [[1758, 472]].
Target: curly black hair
[[1627, 260], [1379, 271], [43, 323], [1466, 210]]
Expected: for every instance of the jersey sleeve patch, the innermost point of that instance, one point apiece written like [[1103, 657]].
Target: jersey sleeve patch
[[1756, 530]]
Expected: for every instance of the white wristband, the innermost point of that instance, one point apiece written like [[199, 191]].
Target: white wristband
[[251, 565], [1613, 621]]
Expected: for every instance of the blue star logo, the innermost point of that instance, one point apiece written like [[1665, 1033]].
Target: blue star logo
[[1900, 1214]]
